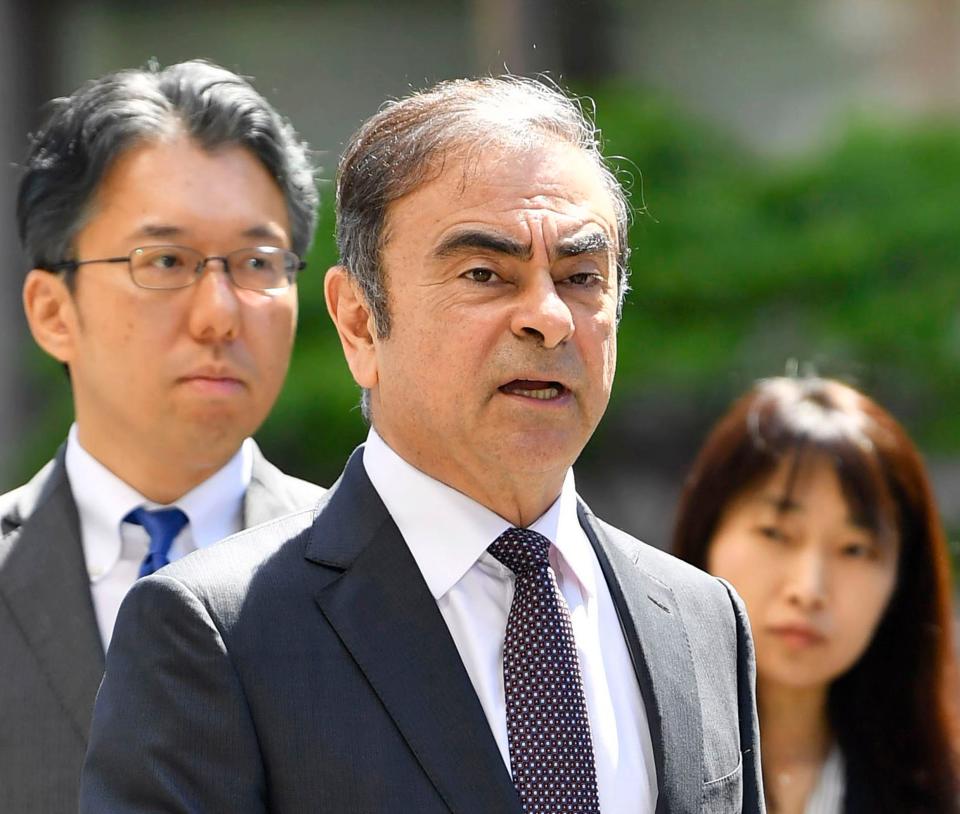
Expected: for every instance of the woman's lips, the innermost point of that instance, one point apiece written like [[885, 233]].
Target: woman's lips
[[797, 636]]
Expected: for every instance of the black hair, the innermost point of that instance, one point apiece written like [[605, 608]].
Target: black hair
[[86, 131]]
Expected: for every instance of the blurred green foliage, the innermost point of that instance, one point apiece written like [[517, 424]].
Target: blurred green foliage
[[845, 259]]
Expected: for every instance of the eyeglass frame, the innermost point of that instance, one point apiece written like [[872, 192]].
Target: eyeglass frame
[[71, 266]]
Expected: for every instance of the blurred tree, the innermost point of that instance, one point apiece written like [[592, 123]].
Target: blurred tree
[[845, 259], [24, 82]]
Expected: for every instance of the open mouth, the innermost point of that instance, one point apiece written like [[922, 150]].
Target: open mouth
[[528, 388]]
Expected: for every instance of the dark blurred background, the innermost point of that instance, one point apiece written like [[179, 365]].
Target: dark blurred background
[[795, 167]]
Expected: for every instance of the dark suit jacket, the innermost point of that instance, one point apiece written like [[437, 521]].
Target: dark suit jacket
[[304, 666], [51, 656]]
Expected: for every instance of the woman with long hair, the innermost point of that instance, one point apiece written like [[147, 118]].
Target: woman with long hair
[[814, 503]]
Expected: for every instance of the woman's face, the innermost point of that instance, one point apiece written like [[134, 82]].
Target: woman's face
[[815, 581]]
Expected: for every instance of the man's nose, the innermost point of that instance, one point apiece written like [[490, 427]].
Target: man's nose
[[542, 313], [808, 579], [215, 308]]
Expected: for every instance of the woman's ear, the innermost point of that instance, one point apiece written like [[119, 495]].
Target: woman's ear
[[350, 313], [51, 313]]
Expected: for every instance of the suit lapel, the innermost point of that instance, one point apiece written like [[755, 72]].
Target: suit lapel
[[386, 617], [43, 581], [658, 645]]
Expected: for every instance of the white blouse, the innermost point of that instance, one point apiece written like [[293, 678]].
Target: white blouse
[[828, 794]]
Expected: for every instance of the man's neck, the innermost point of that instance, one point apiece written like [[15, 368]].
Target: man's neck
[[520, 498], [161, 478], [519, 503]]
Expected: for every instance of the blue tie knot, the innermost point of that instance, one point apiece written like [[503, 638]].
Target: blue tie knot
[[162, 527]]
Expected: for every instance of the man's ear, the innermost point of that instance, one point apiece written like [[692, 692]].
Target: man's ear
[[51, 314], [350, 313]]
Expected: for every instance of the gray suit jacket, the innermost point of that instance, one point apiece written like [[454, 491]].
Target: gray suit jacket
[[305, 666], [51, 656]]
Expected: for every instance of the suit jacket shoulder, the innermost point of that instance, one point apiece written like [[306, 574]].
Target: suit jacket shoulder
[[51, 648], [690, 641], [18, 504], [309, 651], [52, 654]]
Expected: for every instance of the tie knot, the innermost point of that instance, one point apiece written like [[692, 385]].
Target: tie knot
[[162, 525], [521, 550]]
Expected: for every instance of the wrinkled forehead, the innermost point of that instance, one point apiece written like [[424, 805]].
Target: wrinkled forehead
[[496, 175]]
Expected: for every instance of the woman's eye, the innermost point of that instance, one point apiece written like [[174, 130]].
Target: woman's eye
[[772, 533], [856, 550], [480, 275]]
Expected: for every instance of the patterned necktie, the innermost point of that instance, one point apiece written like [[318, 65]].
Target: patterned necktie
[[163, 526], [551, 752]]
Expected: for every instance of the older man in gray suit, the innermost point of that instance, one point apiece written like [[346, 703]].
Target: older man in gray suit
[[451, 629], [163, 213]]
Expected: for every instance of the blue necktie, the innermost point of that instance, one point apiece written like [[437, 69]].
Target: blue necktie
[[163, 526]]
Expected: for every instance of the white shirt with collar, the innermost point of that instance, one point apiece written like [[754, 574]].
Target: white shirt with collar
[[114, 550], [448, 534]]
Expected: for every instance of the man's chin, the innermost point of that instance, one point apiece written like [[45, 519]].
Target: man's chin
[[220, 424], [540, 449]]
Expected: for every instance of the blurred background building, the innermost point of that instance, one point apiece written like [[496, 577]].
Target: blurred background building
[[795, 166]]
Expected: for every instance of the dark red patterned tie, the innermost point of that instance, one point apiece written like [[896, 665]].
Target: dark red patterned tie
[[551, 752]]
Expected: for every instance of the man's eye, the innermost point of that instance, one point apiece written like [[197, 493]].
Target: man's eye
[[264, 262], [583, 278], [480, 275], [167, 261]]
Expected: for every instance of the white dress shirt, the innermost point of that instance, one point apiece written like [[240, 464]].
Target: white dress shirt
[[448, 534], [114, 550]]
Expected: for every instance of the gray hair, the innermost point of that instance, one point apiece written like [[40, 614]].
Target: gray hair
[[86, 131], [405, 144]]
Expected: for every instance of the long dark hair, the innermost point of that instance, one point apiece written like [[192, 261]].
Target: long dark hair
[[893, 711]]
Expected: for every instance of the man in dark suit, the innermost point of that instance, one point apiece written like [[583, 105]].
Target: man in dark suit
[[163, 212], [451, 629]]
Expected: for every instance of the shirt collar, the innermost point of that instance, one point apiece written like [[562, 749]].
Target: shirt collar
[[447, 532], [214, 507], [103, 500]]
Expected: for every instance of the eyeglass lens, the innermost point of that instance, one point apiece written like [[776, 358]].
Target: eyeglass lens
[[262, 268]]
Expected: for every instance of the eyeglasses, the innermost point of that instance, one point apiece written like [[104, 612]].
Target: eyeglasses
[[261, 268]]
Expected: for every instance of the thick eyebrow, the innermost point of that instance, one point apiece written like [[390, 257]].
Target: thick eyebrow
[[476, 239], [590, 243]]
